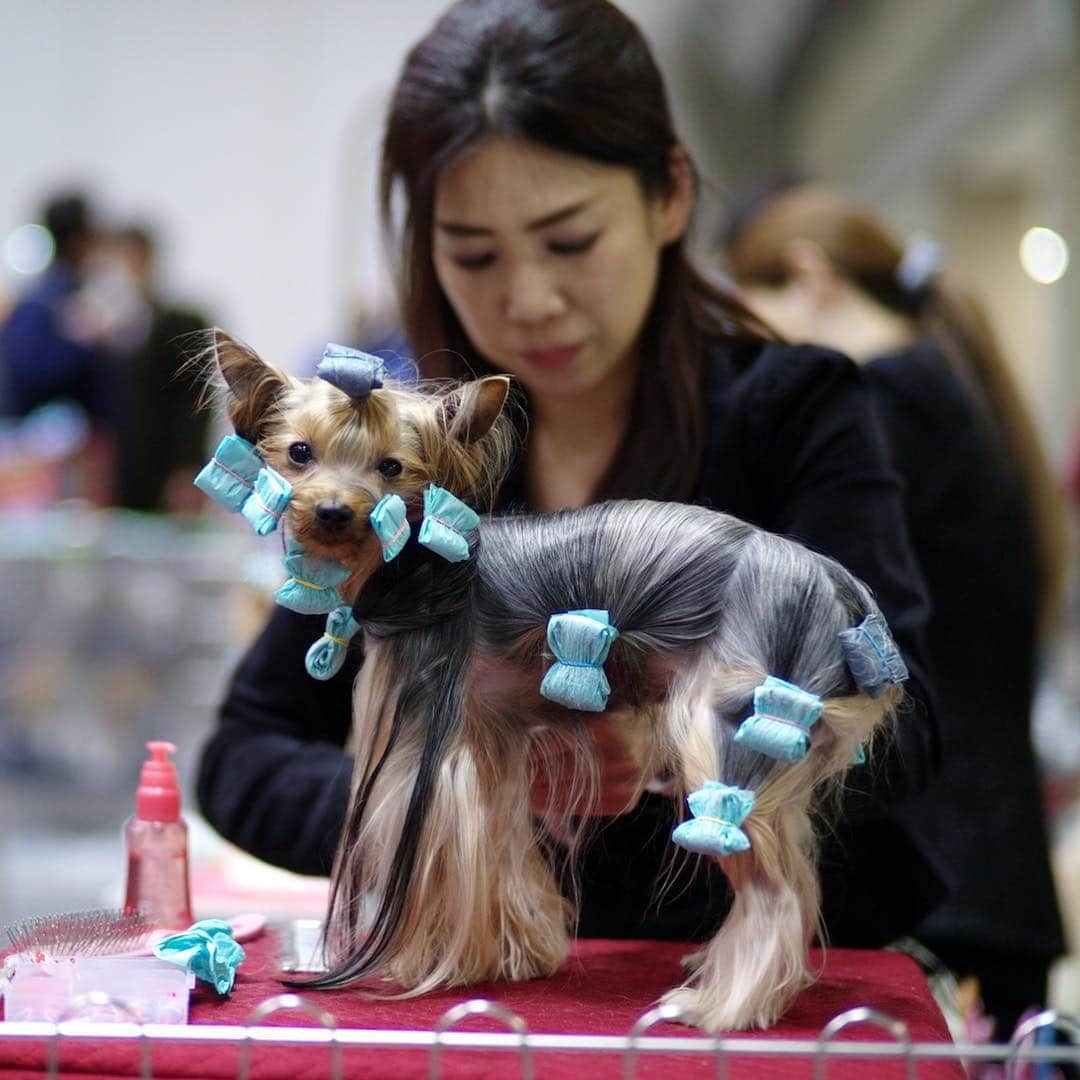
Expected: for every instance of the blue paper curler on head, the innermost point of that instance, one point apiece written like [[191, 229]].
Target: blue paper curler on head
[[354, 372]]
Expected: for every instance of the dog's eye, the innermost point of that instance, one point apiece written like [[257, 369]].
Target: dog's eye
[[300, 453], [389, 467]]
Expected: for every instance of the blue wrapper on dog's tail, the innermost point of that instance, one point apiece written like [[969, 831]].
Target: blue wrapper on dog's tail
[[872, 656], [390, 524], [718, 810], [311, 588], [267, 502], [325, 657], [229, 476], [780, 725], [580, 641], [447, 524]]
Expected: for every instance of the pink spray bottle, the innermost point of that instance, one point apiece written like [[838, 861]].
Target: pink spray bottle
[[157, 846]]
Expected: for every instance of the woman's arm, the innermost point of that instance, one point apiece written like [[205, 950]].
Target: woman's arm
[[274, 776]]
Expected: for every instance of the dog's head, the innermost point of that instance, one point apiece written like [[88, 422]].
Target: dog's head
[[341, 455]]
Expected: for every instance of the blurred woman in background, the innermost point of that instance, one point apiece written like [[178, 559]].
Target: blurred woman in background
[[988, 528]]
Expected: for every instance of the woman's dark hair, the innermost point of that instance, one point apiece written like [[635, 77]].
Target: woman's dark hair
[[578, 77]]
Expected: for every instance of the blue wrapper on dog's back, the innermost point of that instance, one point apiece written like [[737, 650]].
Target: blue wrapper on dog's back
[[580, 641], [229, 476]]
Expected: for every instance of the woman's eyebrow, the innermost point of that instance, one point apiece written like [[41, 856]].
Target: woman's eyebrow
[[459, 229]]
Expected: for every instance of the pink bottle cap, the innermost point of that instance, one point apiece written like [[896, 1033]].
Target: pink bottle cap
[[158, 795]]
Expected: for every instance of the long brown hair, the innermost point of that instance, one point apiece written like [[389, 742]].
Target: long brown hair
[[575, 76], [863, 251]]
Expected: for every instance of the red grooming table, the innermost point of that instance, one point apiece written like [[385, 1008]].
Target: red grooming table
[[602, 990]]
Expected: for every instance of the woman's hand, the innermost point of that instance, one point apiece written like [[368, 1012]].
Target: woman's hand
[[619, 766]]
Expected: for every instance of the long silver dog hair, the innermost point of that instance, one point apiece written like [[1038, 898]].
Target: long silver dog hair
[[443, 875]]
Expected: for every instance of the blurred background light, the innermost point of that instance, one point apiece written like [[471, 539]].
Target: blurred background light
[[1044, 255], [29, 249]]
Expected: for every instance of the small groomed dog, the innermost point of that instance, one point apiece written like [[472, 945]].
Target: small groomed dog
[[746, 670]]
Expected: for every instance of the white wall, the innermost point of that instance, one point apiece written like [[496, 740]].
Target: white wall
[[247, 130]]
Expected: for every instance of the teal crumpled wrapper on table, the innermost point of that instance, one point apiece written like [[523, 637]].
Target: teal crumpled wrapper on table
[[206, 949]]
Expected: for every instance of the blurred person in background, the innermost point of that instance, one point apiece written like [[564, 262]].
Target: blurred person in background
[[50, 353], [161, 431], [987, 524]]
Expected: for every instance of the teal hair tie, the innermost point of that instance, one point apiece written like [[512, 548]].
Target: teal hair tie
[[390, 525], [718, 811], [207, 949], [312, 586], [229, 476], [780, 725], [446, 525], [267, 502], [325, 657], [872, 657], [580, 641]]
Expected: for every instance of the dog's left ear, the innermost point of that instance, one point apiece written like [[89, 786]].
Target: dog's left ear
[[469, 411], [253, 385]]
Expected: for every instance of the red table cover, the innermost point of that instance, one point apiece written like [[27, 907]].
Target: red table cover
[[603, 989]]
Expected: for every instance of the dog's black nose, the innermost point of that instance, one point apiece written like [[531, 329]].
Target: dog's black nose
[[332, 515]]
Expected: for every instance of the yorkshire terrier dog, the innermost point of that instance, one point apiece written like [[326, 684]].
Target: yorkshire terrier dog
[[747, 671]]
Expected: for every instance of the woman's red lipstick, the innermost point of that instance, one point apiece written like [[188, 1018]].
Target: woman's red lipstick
[[553, 359]]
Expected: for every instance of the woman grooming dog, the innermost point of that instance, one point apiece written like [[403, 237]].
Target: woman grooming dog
[[545, 198]]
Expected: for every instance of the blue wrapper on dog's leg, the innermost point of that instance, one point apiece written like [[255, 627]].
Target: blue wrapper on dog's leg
[[780, 725], [325, 657], [446, 525], [390, 525], [267, 501], [580, 641], [718, 810], [229, 476], [872, 657]]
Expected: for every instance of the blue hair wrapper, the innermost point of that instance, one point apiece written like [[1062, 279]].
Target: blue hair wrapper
[[354, 372], [207, 949], [229, 476], [580, 641], [389, 523], [325, 657], [780, 725], [446, 525], [872, 656], [718, 810], [312, 587], [267, 502]]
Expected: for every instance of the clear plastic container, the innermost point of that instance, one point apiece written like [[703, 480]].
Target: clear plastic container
[[142, 989]]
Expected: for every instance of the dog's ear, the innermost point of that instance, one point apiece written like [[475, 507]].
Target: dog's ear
[[253, 385], [469, 411]]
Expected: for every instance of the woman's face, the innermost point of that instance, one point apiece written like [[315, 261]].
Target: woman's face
[[550, 261]]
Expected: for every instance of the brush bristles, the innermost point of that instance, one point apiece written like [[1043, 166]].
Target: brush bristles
[[95, 932]]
